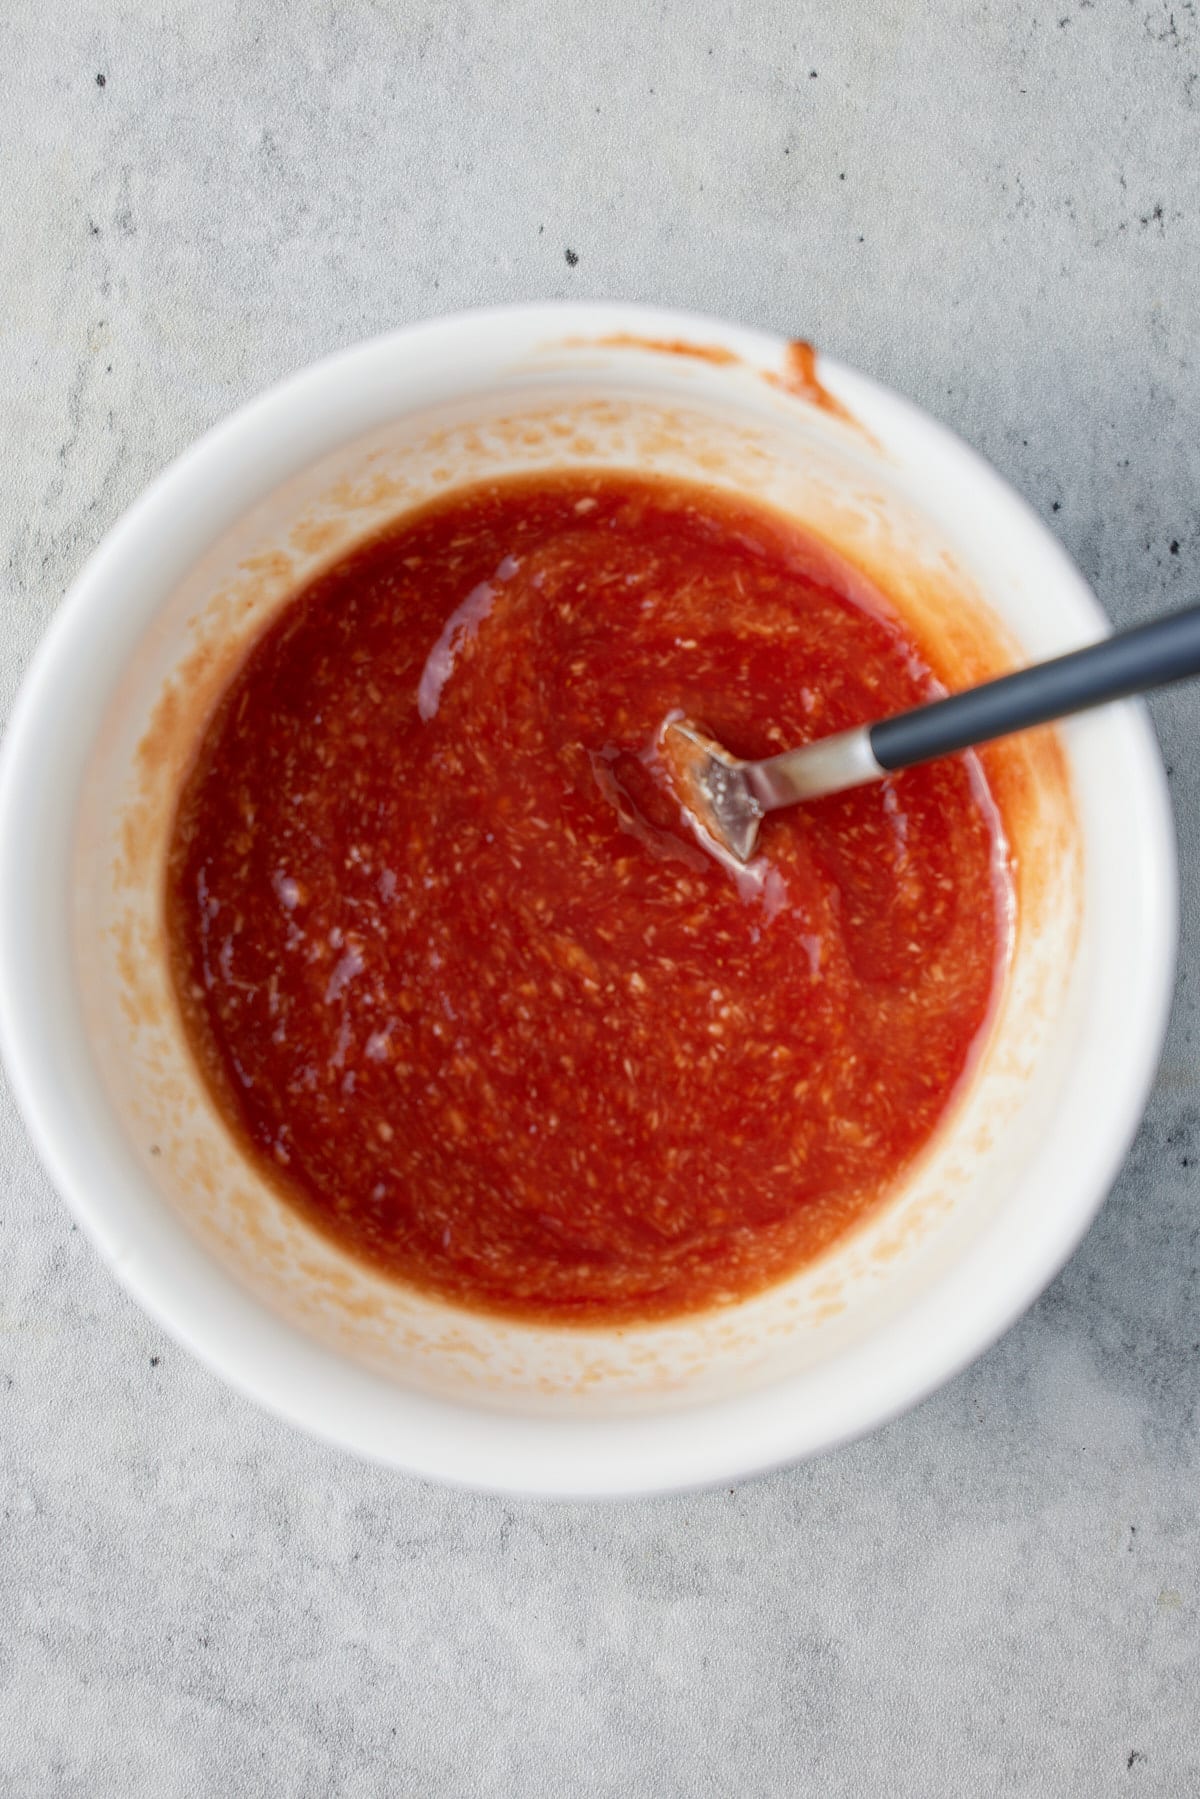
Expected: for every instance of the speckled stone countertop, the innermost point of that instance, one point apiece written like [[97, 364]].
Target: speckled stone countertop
[[994, 208]]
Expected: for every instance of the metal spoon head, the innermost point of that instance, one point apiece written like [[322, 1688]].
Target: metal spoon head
[[712, 787]]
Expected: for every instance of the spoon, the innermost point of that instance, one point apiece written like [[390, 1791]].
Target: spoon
[[728, 798]]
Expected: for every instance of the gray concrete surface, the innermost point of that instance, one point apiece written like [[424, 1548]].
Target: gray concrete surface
[[994, 207]]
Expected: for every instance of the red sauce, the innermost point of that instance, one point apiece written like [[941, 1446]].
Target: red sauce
[[461, 981]]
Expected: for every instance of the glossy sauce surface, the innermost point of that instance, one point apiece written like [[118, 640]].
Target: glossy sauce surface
[[455, 971]]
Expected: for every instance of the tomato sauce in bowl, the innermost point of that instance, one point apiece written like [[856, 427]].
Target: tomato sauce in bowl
[[461, 982]]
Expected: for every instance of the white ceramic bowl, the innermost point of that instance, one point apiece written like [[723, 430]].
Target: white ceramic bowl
[[141, 644]]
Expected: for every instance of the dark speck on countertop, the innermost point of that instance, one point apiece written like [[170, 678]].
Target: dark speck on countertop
[[572, 257]]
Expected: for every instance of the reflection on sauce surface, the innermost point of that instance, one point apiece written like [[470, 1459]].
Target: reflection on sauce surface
[[457, 975]]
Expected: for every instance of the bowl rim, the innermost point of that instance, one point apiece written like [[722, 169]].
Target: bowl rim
[[271, 1361]]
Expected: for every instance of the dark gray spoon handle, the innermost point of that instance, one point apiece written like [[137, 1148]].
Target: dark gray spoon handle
[[1131, 662]]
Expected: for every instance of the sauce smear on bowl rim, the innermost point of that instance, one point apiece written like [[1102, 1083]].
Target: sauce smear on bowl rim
[[457, 975]]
